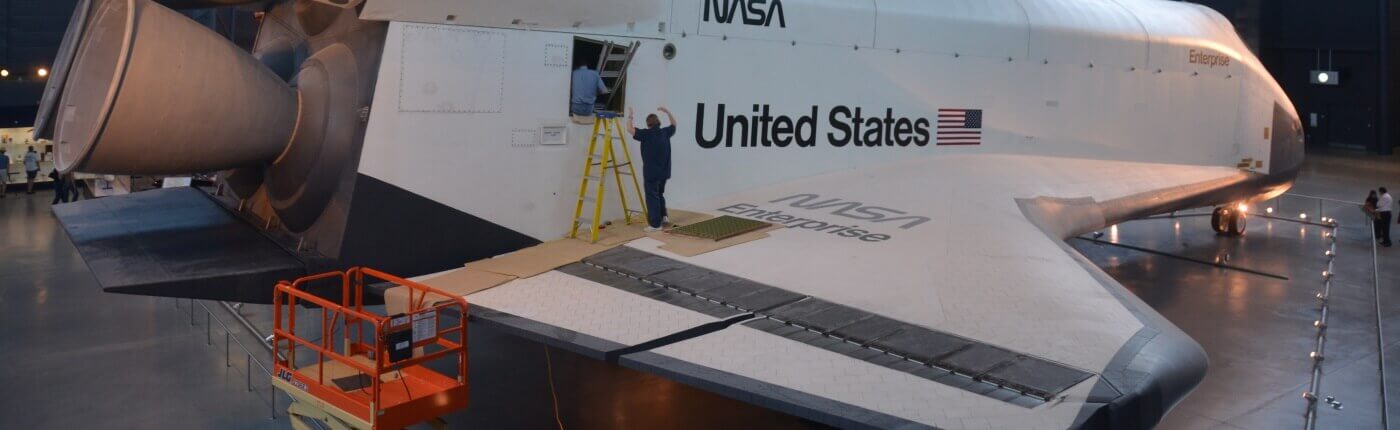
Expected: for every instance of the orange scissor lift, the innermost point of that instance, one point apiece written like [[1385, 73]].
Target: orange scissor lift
[[379, 382]]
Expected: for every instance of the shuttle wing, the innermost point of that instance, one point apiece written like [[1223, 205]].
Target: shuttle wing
[[927, 293]]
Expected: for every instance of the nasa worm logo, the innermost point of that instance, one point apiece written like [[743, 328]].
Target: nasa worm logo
[[753, 12], [856, 212]]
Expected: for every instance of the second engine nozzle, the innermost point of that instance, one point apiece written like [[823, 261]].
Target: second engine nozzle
[[152, 92]]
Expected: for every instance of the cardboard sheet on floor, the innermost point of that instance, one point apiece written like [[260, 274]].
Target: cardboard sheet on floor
[[538, 259], [460, 282], [680, 217], [692, 246], [616, 234], [619, 232]]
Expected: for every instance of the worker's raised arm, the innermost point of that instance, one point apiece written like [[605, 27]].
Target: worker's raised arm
[[669, 116], [631, 129], [670, 130]]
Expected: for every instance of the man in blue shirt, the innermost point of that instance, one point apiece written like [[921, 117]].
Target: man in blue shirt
[[656, 162], [31, 168], [587, 86]]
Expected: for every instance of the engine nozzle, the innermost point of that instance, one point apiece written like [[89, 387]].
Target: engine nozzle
[[152, 92]]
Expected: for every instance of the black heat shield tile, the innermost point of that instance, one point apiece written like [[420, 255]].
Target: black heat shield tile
[[765, 298], [633, 262], [724, 290], [793, 312], [980, 368], [835, 317], [694, 279], [614, 258], [651, 265], [175, 242], [600, 276], [634, 286], [921, 344], [977, 359], [870, 329], [1035, 377]]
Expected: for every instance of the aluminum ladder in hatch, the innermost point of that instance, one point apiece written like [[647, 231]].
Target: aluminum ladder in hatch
[[603, 159], [612, 67]]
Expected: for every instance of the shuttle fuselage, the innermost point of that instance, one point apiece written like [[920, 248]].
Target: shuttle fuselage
[[458, 111], [769, 92]]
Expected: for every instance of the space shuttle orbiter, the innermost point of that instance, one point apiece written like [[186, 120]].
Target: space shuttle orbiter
[[926, 158]]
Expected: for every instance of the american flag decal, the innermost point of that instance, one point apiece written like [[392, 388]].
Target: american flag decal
[[959, 127]]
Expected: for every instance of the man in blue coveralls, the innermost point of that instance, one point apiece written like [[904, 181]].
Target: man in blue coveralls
[[656, 162], [587, 86]]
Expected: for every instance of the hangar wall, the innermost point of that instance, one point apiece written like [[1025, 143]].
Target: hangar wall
[[29, 34], [1294, 37]]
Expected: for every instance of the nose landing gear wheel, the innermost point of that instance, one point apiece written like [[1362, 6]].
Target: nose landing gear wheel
[[1228, 221]]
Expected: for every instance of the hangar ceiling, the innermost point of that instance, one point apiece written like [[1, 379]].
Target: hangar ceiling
[[30, 31]]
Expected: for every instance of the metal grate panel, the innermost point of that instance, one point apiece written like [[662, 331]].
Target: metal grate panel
[[720, 228]]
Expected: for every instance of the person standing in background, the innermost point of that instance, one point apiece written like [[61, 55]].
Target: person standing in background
[[70, 183], [4, 172], [1370, 209], [60, 192], [1383, 211], [31, 168]]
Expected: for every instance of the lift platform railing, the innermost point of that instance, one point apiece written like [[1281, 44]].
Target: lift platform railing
[[387, 358]]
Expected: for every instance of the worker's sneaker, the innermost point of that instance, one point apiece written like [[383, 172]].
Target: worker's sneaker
[[651, 229]]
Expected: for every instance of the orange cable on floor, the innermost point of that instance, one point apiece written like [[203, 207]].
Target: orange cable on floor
[[549, 367]]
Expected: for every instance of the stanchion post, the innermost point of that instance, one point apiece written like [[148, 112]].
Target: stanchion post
[[1380, 332]]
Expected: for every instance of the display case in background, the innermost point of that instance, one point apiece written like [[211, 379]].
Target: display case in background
[[15, 142]]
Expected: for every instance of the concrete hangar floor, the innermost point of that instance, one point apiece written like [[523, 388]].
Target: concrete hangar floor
[[78, 358]]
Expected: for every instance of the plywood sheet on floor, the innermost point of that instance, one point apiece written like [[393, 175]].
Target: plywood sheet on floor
[[616, 234], [538, 259]]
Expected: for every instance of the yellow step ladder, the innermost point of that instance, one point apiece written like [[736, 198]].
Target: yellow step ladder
[[596, 168]]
